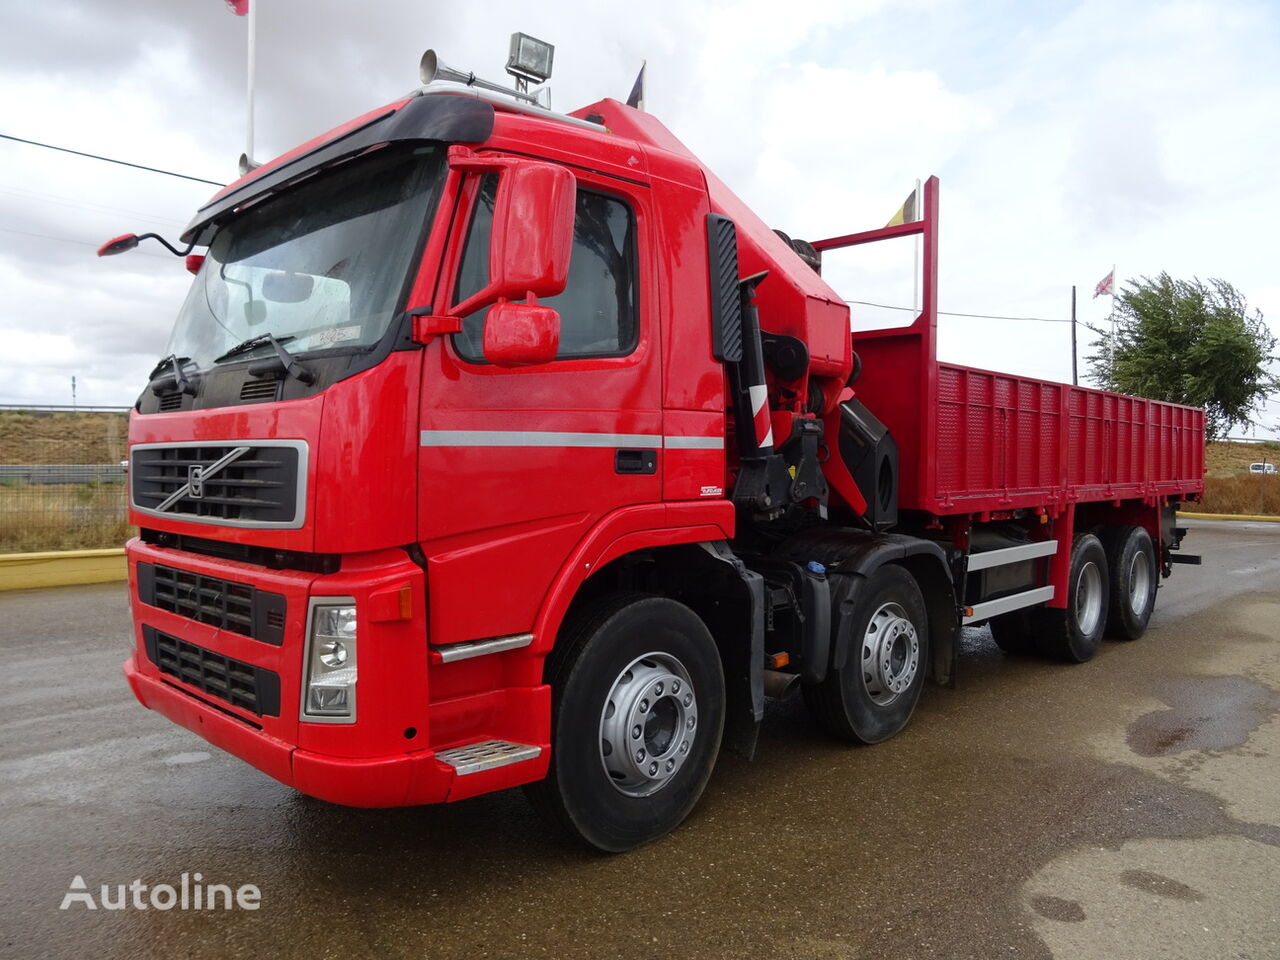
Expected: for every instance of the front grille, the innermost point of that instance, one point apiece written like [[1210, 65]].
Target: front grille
[[170, 401], [233, 606], [240, 684], [250, 484]]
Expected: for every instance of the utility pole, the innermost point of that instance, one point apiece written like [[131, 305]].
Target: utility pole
[[1075, 380]]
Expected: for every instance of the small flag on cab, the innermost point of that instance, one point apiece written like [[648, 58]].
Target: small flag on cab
[[1106, 286], [907, 212], [637, 89], [239, 7]]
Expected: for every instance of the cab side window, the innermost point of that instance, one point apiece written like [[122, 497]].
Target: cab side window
[[598, 308]]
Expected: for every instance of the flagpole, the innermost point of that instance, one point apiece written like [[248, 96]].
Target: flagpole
[[253, 29], [1112, 357]]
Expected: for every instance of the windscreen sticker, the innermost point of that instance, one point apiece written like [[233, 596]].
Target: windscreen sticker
[[324, 338]]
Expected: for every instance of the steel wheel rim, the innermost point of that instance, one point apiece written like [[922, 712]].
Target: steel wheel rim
[[1139, 581], [648, 724], [890, 654], [1089, 598]]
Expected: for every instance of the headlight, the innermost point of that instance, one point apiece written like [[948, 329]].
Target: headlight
[[329, 690]]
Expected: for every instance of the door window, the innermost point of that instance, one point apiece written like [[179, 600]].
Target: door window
[[598, 308]]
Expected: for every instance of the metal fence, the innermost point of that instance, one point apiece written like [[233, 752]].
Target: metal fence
[[62, 480]]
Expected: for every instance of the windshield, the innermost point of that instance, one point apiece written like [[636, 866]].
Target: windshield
[[319, 267]]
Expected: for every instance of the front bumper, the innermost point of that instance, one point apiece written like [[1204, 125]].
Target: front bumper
[[390, 781], [409, 704]]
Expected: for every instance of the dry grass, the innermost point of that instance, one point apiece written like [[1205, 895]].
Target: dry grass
[[1227, 459], [62, 437], [62, 517], [1248, 494]]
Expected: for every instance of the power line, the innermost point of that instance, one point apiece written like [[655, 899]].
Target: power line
[[80, 205], [82, 243], [949, 313], [123, 163]]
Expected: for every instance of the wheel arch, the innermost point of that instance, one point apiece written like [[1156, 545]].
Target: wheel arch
[[692, 564], [856, 554]]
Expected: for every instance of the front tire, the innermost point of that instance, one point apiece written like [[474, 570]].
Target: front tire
[[1073, 634], [1131, 557], [637, 712], [873, 695]]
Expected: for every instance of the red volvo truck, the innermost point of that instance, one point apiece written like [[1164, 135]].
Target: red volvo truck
[[500, 447]]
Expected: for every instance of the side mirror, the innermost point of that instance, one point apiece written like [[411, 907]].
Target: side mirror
[[521, 334], [532, 235], [121, 244]]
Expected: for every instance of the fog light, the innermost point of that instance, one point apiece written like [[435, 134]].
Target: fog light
[[330, 681]]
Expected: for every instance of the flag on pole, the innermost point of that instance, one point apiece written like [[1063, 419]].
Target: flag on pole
[[906, 213], [239, 7], [637, 89], [1106, 286]]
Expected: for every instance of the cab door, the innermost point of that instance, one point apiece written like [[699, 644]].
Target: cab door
[[516, 465]]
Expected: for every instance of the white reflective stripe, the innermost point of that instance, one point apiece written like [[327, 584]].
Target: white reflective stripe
[[768, 438], [758, 395], [550, 438], [693, 443], [535, 438]]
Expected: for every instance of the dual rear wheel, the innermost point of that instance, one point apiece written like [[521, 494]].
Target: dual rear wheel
[[1111, 590]]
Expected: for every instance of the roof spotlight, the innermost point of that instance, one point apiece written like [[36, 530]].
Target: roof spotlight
[[530, 59]]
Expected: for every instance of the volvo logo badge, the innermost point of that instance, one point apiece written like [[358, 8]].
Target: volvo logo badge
[[196, 477], [195, 482]]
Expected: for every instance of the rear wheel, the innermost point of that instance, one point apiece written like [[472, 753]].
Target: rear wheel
[[1013, 634], [1131, 557], [873, 695], [1073, 634], [637, 711]]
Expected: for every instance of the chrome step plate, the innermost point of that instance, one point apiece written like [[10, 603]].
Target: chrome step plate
[[485, 755]]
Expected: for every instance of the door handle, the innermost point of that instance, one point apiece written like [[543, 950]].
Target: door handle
[[635, 461]]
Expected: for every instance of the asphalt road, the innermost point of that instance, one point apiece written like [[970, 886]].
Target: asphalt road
[[1126, 808]]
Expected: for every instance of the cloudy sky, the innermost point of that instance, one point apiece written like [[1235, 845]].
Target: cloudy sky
[[1068, 134]]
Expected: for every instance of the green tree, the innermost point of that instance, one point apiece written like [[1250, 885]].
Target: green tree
[[1189, 342]]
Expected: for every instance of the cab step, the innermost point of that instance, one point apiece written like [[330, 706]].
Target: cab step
[[486, 755]]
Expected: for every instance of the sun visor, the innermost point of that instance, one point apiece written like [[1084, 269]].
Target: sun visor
[[440, 117]]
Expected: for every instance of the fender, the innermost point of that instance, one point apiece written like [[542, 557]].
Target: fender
[[851, 556], [625, 531]]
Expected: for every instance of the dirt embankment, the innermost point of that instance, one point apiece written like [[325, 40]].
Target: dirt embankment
[[62, 437]]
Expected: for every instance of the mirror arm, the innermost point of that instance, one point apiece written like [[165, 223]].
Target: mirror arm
[[427, 325]]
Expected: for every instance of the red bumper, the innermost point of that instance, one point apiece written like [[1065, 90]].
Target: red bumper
[[409, 778]]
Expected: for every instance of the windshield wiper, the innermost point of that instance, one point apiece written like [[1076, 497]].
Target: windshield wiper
[[288, 361], [179, 378], [257, 340]]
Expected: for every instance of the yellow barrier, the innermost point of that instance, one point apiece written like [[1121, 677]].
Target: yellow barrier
[[24, 571], [1229, 516]]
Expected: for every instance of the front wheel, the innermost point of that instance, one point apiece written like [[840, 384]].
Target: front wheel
[[872, 696], [637, 711]]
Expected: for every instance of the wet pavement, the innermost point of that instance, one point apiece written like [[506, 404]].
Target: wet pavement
[[1126, 808]]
